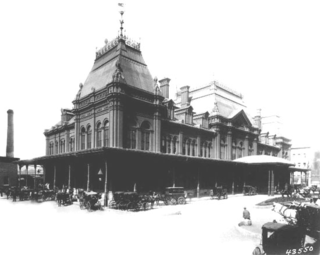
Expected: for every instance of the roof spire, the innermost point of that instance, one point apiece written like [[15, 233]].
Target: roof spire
[[121, 5]]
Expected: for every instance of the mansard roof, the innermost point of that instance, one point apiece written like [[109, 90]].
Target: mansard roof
[[121, 55]]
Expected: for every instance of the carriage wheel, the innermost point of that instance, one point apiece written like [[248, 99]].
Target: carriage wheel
[[173, 201], [181, 201], [88, 206], [112, 204]]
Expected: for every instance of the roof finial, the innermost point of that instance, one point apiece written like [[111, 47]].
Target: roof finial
[[121, 5]]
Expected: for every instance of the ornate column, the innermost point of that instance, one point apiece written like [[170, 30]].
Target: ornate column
[[272, 183], [198, 185], [69, 179], [106, 183], [255, 146], [198, 152], [88, 178], [229, 144], [217, 143], [111, 123], [269, 182], [173, 177], [54, 176], [19, 175], [246, 146], [27, 175], [180, 143]]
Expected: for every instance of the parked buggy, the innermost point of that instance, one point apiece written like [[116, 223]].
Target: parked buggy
[[219, 192], [249, 190], [64, 198], [174, 195], [90, 200]]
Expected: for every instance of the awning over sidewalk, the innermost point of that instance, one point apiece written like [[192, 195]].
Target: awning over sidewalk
[[264, 160]]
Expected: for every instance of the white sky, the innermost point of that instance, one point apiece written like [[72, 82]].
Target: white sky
[[267, 50]]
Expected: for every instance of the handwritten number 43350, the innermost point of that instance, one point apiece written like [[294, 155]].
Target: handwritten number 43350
[[299, 251]]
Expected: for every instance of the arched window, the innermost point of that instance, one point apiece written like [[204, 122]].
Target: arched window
[[234, 150], [184, 147], [163, 144], [240, 150], [145, 136], [204, 146], [62, 146], [83, 138], [174, 145], [57, 147], [51, 148], [188, 144], [209, 150], [168, 144], [193, 147], [89, 134], [106, 133], [71, 144], [223, 147], [131, 136], [99, 135], [250, 150]]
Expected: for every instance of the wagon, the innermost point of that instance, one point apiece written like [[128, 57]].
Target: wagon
[[174, 195], [249, 190], [90, 201], [219, 192]]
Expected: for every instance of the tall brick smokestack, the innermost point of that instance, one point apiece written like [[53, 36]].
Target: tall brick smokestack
[[10, 146]]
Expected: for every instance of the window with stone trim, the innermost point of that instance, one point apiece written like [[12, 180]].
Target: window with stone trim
[[89, 136], [71, 144], [223, 148], [62, 146], [145, 136], [174, 145], [99, 135], [250, 150], [240, 150], [106, 134], [57, 147], [209, 150], [193, 147], [168, 150], [83, 138], [234, 150], [163, 144]]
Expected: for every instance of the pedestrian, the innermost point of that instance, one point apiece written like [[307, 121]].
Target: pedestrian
[[246, 214]]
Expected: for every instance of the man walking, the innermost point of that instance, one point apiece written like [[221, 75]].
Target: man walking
[[246, 214]]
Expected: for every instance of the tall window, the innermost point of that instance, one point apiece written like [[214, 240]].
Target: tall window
[[174, 145], [163, 144], [51, 148], [209, 150], [184, 147], [240, 150], [57, 147], [62, 146], [169, 144], [83, 139], [106, 134], [223, 147], [188, 147], [5, 180], [131, 139], [250, 151], [71, 144], [234, 150], [193, 148], [89, 137], [99, 135], [145, 136]]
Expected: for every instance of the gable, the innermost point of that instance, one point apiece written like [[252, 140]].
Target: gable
[[241, 119]]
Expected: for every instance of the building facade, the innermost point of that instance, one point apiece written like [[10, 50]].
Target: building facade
[[125, 133]]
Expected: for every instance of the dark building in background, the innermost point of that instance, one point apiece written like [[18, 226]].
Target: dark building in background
[[8, 169]]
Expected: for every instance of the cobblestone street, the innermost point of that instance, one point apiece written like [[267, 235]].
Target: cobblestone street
[[200, 227]]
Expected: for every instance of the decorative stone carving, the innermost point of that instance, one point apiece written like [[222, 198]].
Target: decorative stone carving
[[118, 74]]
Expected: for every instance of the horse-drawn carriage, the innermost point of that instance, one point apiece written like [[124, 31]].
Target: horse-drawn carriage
[[249, 190], [171, 196], [219, 192], [89, 200]]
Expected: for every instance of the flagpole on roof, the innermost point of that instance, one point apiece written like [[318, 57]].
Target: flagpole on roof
[[121, 5]]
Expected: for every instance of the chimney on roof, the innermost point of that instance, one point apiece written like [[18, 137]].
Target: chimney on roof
[[10, 144], [184, 96], [164, 86], [257, 119]]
